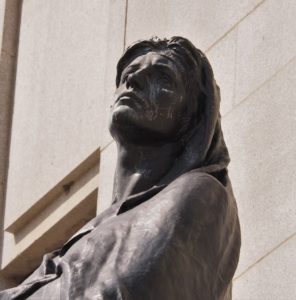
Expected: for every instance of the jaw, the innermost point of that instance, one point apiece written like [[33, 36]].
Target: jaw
[[144, 126], [129, 133]]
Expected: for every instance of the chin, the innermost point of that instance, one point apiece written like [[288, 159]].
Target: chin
[[129, 133], [124, 116], [129, 126], [123, 123]]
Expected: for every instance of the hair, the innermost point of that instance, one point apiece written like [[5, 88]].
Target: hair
[[177, 47]]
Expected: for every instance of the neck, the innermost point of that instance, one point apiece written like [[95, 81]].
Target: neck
[[141, 167]]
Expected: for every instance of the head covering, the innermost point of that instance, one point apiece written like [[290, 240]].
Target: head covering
[[201, 137], [203, 145]]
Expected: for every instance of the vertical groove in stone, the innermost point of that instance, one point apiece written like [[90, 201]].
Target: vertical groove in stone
[[8, 65], [125, 24]]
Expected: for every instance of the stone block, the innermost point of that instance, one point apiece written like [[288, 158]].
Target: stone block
[[260, 136], [6, 283], [7, 67], [273, 278], [114, 50], [10, 22], [52, 220], [106, 176], [203, 22], [59, 94], [222, 59], [266, 42], [2, 12]]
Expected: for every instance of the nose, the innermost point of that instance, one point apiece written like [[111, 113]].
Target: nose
[[135, 81]]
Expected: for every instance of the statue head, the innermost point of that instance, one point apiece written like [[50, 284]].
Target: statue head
[[160, 91], [166, 93]]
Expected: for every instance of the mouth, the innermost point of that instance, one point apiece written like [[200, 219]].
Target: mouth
[[129, 99]]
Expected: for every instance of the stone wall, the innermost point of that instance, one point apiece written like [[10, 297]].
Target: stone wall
[[62, 159]]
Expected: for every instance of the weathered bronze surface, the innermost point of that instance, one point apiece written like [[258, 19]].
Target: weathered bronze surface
[[172, 231]]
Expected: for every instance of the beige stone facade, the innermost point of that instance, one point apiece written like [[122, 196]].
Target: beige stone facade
[[57, 159]]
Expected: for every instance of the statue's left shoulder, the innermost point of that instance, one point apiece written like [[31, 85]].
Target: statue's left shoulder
[[194, 182], [198, 194]]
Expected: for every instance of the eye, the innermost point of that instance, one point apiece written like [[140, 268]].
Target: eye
[[167, 83], [127, 71]]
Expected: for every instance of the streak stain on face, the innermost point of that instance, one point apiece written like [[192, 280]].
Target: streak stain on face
[[150, 97]]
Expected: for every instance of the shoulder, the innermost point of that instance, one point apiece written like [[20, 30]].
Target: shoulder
[[198, 193], [194, 181]]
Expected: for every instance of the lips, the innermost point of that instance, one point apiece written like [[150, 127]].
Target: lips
[[130, 99]]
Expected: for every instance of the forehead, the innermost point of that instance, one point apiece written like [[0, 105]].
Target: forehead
[[154, 59]]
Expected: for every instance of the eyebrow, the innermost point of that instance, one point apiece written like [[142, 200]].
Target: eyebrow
[[165, 68], [130, 68], [162, 67]]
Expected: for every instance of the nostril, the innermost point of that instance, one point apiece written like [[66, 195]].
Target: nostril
[[128, 81], [127, 84]]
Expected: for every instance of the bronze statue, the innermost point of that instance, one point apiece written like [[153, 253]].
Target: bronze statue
[[172, 231]]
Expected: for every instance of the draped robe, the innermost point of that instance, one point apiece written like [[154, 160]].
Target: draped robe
[[177, 243]]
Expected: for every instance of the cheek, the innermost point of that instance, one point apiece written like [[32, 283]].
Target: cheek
[[171, 102]]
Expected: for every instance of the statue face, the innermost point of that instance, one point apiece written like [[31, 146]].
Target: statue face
[[150, 99]]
